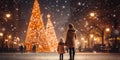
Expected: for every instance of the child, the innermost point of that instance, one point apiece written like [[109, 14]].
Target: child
[[60, 49]]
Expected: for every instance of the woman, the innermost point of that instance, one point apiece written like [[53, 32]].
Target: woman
[[70, 41]]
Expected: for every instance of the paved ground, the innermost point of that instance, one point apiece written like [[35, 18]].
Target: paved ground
[[55, 56]]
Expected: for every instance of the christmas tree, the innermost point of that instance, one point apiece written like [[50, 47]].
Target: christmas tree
[[51, 35], [36, 33]]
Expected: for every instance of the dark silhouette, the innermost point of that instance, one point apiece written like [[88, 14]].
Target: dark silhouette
[[21, 48], [24, 48], [34, 48], [70, 41], [60, 49]]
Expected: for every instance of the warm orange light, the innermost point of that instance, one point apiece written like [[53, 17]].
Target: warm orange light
[[9, 36], [92, 14], [1, 34], [86, 41], [107, 29], [82, 38], [91, 35], [95, 39], [8, 15], [6, 40], [48, 16], [36, 31]]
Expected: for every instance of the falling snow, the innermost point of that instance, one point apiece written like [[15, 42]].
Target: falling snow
[[63, 12]]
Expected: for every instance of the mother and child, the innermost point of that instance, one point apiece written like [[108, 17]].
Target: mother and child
[[69, 43]]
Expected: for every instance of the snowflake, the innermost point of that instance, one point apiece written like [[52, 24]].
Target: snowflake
[[58, 10], [81, 29], [83, 4], [78, 9], [114, 15], [57, 1], [56, 5], [79, 3], [61, 14], [65, 1], [16, 9], [6, 5], [17, 18], [26, 1], [45, 8], [61, 28], [14, 27], [68, 14], [54, 22], [52, 6], [26, 23], [24, 31], [63, 7], [11, 25], [3, 29]]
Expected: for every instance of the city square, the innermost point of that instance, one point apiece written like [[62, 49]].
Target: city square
[[34, 29]]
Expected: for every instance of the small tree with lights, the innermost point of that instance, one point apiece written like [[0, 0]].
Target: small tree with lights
[[51, 35]]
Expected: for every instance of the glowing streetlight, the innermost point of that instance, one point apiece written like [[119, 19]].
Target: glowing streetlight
[[107, 29], [1, 34], [8, 15], [92, 14], [91, 35]]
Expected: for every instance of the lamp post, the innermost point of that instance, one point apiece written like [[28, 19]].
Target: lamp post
[[6, 42], [91, 41], [107, 30], [1, 40], [82, 41], [86, 42], [116, 32]]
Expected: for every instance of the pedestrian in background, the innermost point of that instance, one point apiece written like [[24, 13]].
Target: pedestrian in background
[[61, 49]]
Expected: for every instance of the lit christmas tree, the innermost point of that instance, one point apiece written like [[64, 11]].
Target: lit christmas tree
[[36, 32], [51, 35]]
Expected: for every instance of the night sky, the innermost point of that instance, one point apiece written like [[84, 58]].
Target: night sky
[[62, 13]]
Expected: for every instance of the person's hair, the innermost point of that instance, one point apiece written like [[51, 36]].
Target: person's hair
[[61, 41], [71, 25]]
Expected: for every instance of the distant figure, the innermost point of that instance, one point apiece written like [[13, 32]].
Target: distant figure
[[21, 48], [61, 49], [70, 41], [79, 48], [24, 48], [34, 48]]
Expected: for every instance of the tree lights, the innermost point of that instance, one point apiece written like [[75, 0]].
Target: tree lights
[[36, 33]]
